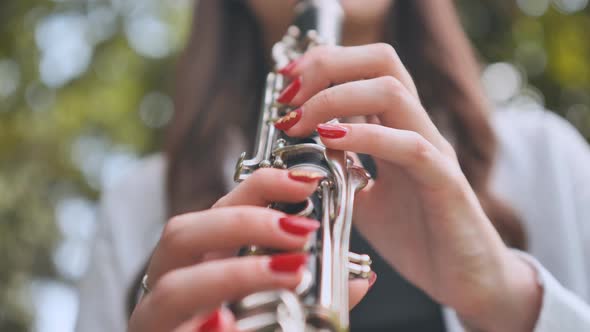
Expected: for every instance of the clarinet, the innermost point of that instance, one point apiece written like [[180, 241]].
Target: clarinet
[[320, 301]]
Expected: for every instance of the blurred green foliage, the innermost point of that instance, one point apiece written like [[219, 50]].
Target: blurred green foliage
[[41, 123], [551, 50]]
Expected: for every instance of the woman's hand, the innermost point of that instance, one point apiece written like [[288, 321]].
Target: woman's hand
[[421, 213], [193, 271]]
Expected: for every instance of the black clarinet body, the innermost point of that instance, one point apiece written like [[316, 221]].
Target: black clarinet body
[[320, 302]]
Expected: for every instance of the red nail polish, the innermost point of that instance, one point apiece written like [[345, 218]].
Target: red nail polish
[[288, 69], [305, 176], [290, 91], [331, 131], [288, 121], [298, 225], [372, 279], [211, 324], [289, 263]]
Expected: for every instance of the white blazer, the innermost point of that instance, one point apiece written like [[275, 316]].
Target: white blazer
[[543, 171]]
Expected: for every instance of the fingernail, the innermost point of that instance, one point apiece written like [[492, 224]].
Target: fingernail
[[298, 225], [287, 262], [212, 323], [305, 176], [290, 91], [288, 121], [372, 279], [288, 69], [331, 131]]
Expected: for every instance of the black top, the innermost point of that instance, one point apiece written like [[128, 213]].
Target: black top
[[392, 304]]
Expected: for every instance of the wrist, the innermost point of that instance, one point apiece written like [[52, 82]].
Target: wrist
[[516, 303]]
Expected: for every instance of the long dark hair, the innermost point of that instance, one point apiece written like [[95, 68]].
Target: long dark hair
[[220, 80]]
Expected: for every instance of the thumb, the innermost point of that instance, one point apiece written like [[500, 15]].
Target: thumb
[[358, 288]]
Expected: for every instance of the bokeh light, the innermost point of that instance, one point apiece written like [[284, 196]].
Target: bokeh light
[[533, 7], [502, 81], [149, 36], [65, 48], [570, 6], [39, 97], [532, 56], [156, 109]]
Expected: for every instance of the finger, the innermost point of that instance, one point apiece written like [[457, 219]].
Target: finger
[[325, 66], [357, 289], [220, 320], [406, 149], [187, 237], [268, 185], [384, 97], [184, 292]]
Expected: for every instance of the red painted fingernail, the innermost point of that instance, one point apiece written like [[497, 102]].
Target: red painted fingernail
[[298, 225], [372, 279], [331, 131], [288, 69], [288, 121], [212, 323], [305, 176], [287, 262], [290, 91]]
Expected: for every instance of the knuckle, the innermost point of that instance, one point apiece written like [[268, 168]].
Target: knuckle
[[165, 286], [240, 215], [171, 231], [250, 218], [457, 186], [261, 178], [392, 89], [376, 134], [387, 54], [456, 176], [320, 56], [391, 84], [239, 275], [386, 50], [421, 150], [260, 175], [324, 100], [448, 150], [244, 274]]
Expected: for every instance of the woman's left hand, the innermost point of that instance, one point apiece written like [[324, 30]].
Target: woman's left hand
[[420, 214]]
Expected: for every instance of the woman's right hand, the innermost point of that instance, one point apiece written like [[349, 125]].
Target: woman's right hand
[[192, 270]]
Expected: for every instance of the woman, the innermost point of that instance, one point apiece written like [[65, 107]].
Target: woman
[[433, 214]]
